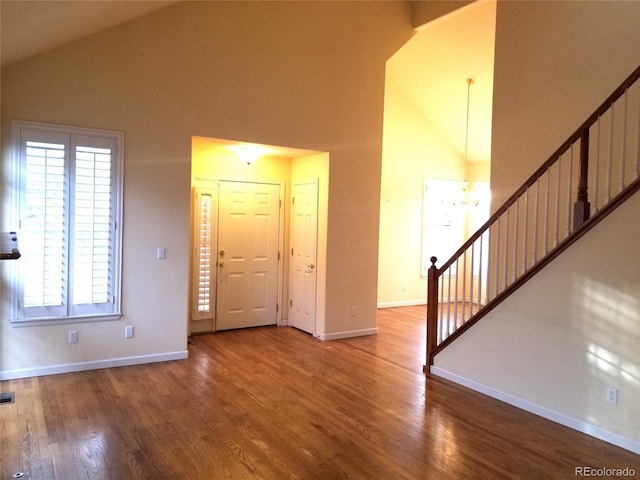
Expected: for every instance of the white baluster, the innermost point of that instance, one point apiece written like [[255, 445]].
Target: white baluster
[[535, 223], [515, 241], [440, 310], [464, 286], [455, 308], [607, 195], [471, 289], [526, 230], [556, 233], [596, 175], [506, 251], [486, 241], [636, 163], [497, 255], [545, 237], [569, 195], [623, 147]]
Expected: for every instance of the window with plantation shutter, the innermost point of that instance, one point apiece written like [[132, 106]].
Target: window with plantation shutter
[[69, 203], [203, 304]]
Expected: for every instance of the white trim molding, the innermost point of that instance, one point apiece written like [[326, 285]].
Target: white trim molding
[[403, 303], [579, 425], [346, 334], [93, 365]]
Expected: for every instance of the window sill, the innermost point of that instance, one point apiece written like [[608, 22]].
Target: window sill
[[33, 322]]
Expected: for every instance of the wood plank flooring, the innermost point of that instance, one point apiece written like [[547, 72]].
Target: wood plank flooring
[[275, 403]]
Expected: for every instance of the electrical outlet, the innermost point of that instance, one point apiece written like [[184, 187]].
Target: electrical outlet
[[612, 395], [354, 310], [161, 254], [73, 336], [128, 331]]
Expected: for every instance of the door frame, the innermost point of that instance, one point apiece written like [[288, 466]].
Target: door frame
[[211, 184]]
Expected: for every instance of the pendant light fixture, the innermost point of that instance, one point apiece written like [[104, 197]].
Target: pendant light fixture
[[465, 199], [247, 153], [466, 133]]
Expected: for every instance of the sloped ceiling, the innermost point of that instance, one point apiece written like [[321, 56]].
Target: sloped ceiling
[[32, 27], [432, 69]]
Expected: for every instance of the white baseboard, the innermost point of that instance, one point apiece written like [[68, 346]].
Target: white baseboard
[[562, 419], [94, 365], [347, 334], [403, 303]]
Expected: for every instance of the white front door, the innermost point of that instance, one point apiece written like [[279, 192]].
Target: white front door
[[248, 244], [304, 226]]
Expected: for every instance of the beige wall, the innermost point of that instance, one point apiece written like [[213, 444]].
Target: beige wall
[[574, 329], [300, 74], [411, 152], [419, 144], [556, 62]]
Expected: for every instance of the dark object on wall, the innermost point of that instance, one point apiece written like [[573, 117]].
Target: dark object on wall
[[9, 246]]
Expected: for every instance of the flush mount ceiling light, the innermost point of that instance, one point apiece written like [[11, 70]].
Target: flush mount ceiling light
[[247, 153]]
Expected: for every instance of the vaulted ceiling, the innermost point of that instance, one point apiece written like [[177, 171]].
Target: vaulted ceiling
[[32, 27], [431, 70]]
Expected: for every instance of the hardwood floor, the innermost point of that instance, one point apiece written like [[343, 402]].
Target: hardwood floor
[[275, 403]]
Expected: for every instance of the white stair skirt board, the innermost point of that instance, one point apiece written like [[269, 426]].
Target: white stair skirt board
[[346, 334], [94, 365], [562, 419]]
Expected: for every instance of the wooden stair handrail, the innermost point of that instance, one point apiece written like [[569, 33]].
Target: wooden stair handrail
[[582, 223], [545, 166], [565, 244]]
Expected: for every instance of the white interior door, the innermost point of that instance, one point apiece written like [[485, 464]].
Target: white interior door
[[248, 244], [303, 277]]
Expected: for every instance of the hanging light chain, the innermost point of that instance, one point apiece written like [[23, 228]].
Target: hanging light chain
[[466, 137]]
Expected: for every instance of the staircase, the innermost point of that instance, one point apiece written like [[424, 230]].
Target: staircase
[[593, 172]]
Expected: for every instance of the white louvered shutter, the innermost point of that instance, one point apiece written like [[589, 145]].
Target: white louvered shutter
[[45, 225], [69, 211], [203, 301], [93, 225]]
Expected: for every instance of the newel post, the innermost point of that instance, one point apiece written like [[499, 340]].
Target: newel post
[[582, 208], [432, 312]]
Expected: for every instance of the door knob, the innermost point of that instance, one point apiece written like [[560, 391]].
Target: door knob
[[222, 253], [310, 265], [221, 264]]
